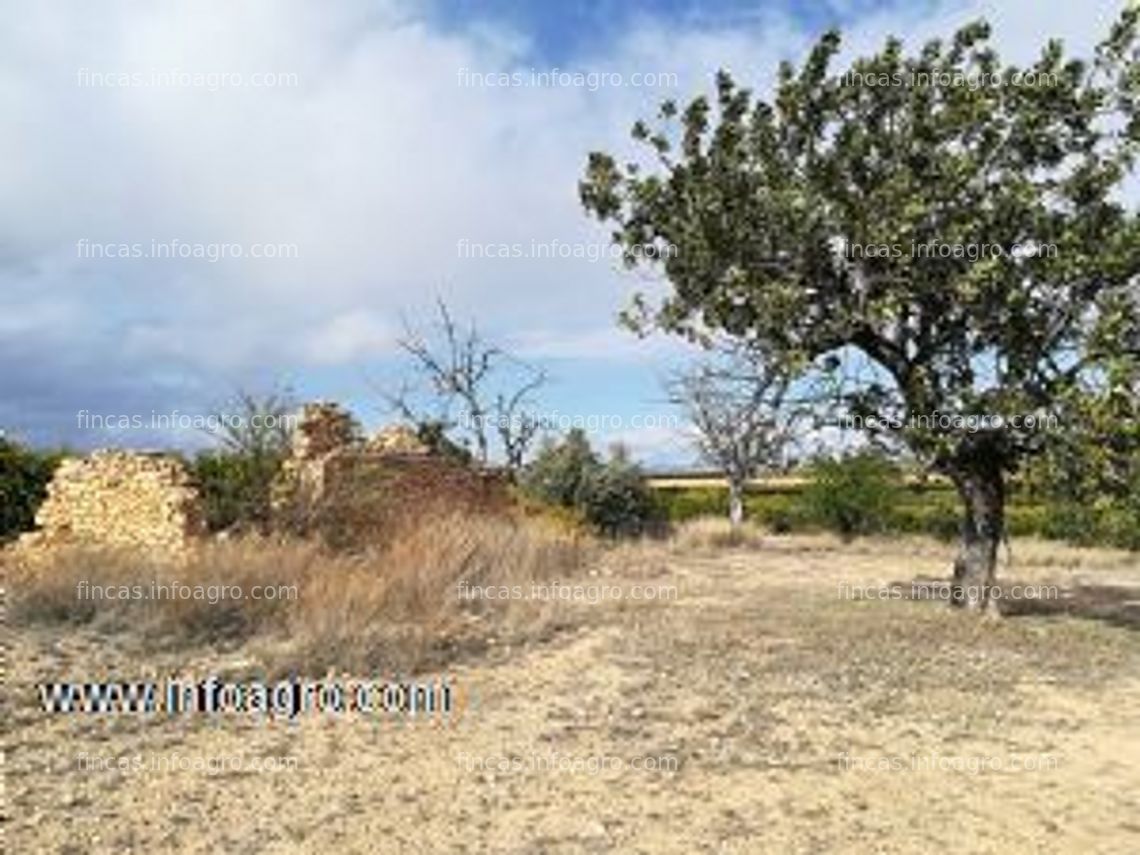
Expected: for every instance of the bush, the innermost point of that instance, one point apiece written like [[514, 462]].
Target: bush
[[856, 495], [618, 502], [560, 471], [613, 497], [24, 476], [236, 488], [1104, 523], [686, 503]]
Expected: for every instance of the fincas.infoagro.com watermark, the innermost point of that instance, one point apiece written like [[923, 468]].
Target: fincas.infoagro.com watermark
[[554, 761], [973, 764], [969, 423], [175, 420], [552, 591], [559, 249], [556, 78], [943, 590]]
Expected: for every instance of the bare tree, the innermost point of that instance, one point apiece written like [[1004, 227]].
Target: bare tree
[[257, 425], [517, 427], [735, 403], [475, 387]]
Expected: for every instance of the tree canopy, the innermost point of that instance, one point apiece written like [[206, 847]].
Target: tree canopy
[[968, 238]]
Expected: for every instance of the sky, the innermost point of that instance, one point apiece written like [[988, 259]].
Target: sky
[[356, 149]]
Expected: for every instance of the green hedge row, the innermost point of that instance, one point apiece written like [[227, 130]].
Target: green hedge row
[[930, 511]]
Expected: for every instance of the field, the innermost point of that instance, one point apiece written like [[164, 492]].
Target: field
[[749, 705]]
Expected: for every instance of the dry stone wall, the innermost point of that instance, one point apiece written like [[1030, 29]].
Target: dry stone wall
[[120, 500], [149, 502], [327, 449]]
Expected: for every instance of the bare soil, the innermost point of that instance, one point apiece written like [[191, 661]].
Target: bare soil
[[798, 721]]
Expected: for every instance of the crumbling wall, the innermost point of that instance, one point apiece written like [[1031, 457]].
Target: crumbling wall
[[120, 500], [397, 439], [322, 427], [334, 479], [323, 431]]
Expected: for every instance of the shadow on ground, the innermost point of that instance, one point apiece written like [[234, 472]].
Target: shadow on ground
[[1116, 605]]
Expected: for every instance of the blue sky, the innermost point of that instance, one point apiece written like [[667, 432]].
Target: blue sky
[[565, 31], [344, 139]]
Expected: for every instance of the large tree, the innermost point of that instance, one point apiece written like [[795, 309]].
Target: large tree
[[848, 214]]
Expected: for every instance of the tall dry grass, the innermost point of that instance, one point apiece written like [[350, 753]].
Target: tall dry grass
[[392, 607], [714, 533]]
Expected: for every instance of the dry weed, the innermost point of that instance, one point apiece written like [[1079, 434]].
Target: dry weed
[[396, 607]]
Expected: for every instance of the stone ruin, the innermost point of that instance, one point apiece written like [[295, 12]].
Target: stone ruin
[[149, 502], [327, 448], [119, 500], [342, 486]]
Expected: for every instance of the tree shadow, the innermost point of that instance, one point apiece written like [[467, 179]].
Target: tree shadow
[[1117, 605]]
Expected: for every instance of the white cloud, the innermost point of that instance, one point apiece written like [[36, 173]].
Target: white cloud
[[350, 337], [610, 343], [375, 165]]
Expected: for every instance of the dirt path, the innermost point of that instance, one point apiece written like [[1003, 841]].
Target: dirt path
[[777, 700]]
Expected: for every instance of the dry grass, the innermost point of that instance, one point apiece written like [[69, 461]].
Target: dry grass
[[759, 679], [397, 607], [403, 605], [713, 533]]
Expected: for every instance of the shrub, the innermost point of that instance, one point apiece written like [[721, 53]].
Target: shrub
[[560, 471], [1107, 522], [686, 503], [618, 502], [856, 495], [236, 487], [613, 496], [24, 476]]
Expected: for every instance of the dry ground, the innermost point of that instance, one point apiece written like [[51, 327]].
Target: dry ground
[[772, 692]]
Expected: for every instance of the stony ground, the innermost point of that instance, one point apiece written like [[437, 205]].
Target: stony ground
[[777, 700]]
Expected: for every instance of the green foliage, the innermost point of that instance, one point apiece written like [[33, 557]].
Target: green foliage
[[855, 495], [793, 222], [1090, 476], [560, 472], [686, 503], [617, 500], [236, 487], [932, 510], [24, 476], [236, 480], [612, 496]]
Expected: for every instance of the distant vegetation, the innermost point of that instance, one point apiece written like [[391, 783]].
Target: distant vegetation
[[24, 476], [868, 494]]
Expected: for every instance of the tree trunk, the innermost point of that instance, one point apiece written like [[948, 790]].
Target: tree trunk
[[983, 527], [735, 502]]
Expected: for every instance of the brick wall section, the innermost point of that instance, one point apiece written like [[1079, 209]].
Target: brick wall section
[[120, 500]]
